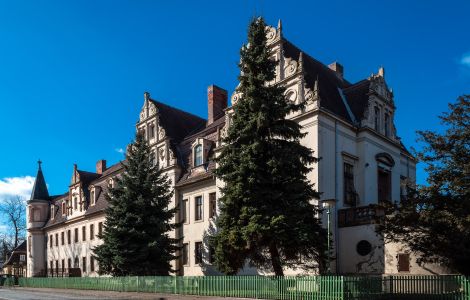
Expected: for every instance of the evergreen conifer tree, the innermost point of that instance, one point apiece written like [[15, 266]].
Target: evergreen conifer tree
[[136, 238], [267, 214]]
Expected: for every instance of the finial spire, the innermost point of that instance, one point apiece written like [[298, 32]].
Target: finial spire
[[39, 191], [279, 24], [146, 96]]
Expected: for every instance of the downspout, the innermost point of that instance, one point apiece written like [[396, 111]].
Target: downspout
[[336, 198]]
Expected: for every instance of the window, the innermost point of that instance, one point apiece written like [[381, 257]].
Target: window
[[92, 197], [185, 254], [52, 212], [363, 248], [197, 253], [83, 233], [387, 124], [22, 257], [57, 267], [100, 228], [69, 238], [30, 243], [76, 235], [56, 239], [69, 263], [75, 202], [211, 255], [51, 264], [110, 183], [403, 262], [50, 241], [198, 155], [63, 209], [212, 205], [92, 231], [384, 185], [376, 118], [152, 131], [152, 158], [62, 239], [36, 215], [185, 211], [84, 264], [75, 262], [63, 265], [350, 195], [92, 264], [198, 208], [403, 188]]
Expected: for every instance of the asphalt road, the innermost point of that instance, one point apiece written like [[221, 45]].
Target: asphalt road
[[64, 294]]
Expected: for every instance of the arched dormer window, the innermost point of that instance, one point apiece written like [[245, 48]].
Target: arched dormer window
[[198, 155], [110, 183]]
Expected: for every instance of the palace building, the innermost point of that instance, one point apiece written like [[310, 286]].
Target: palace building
[[350, 126]]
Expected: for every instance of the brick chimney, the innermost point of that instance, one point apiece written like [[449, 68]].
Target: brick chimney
[[216, 103], [338, 68], [100, 166]]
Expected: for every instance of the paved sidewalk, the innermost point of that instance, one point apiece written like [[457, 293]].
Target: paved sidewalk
[[19, 293]]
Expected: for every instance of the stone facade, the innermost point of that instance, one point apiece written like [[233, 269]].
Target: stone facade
[[349, 126]]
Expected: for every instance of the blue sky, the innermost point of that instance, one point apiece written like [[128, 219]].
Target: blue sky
[[73, 73]]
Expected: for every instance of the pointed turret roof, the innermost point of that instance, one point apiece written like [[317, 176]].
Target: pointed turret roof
[[39, 189]]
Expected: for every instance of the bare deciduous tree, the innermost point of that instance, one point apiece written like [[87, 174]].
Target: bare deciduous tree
[[14, 209]]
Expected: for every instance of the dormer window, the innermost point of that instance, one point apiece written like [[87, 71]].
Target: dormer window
[[198, 155], [92, 196], [52, 212], [63, 208], [110, 183], [387, 124], [376, 118]]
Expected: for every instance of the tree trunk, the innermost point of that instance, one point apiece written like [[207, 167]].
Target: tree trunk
[[275, 260]]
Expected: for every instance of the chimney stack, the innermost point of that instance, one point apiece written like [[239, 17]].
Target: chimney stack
[[216, 103], [100, 166], [338, 68]]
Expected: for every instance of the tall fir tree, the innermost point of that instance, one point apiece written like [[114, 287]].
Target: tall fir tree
[[434, 220], [136, 238], [267, 215]]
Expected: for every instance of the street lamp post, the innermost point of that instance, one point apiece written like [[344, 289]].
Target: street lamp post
[[328, 204]]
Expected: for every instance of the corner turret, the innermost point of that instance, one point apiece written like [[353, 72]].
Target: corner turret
[[37, 214]]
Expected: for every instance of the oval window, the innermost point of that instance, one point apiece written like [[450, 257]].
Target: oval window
[[363, 248]]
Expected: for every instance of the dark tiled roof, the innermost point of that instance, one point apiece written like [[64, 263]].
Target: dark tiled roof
[[193, 175], [87, 177], [39, 189], [358, 98], [328, 81], [177, 123]]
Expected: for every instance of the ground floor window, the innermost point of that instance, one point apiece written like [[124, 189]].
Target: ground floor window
[[198, 253], [403, 262], [185, 254]]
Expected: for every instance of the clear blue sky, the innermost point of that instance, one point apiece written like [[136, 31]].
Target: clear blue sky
[[73, 73]]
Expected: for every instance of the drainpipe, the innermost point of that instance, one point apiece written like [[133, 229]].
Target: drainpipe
[[336, 199]]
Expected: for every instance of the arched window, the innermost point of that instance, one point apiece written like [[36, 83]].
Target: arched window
[[198, 155]]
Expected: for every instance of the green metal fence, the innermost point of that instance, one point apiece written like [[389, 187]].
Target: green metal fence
[[448, 287]]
